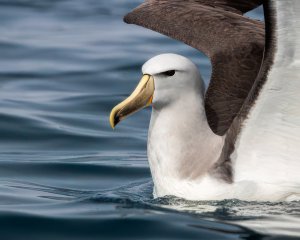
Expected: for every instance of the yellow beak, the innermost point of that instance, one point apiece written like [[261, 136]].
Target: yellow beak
[[140, 98]]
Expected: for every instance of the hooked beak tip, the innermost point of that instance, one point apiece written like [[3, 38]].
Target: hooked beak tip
[[114, 118], [141, 97]]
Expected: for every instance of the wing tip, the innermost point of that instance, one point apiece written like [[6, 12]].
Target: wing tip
[[131, 17], [127, 18]]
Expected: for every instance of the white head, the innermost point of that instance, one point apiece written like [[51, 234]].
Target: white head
[[167, 78], [174, 76]]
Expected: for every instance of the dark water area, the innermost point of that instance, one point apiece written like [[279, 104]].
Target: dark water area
[[64, 174]]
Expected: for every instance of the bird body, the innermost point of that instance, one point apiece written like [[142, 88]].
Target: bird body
[[241, 138], [178, 128]]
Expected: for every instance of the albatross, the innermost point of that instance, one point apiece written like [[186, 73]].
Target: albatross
[[241, 138]]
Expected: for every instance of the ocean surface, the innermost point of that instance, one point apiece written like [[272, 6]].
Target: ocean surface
[[64, 173]]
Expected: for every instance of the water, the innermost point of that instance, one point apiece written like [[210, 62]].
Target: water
[[64, 174]]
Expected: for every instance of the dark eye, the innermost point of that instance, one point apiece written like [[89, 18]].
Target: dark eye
[[169, 73]]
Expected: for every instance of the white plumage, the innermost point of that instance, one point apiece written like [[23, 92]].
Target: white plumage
[[182, 149], [184, 152]]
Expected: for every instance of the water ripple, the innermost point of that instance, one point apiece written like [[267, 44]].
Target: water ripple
[[64, 174]]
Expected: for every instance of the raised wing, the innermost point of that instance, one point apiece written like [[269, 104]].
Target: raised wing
[[234, 44], [264, 139]]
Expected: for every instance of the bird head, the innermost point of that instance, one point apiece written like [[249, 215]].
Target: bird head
[[166, 78]]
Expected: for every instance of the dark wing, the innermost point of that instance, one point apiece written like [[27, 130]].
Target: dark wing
[[234, 44]]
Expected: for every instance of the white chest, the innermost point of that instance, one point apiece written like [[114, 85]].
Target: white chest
[[181, 150]]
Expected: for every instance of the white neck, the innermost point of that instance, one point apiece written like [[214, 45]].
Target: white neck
[[181, 145]]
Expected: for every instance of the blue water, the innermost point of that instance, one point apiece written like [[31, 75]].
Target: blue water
[[64, 174]]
